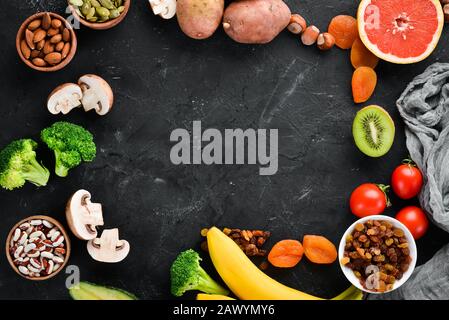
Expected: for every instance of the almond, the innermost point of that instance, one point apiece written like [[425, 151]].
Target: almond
[[66, 35], [51, 32], [40, 44], [53, 58], [48, 47], [29, 38], [39, 34], [46, 21], [56, 23], [39, 62], [34, 25], [34, 54], [26, 51], [59, 46], [65, 50], [56, 38]]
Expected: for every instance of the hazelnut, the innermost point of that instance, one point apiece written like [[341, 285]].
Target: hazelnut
[[310, 35], [297, 24], [325, 41]]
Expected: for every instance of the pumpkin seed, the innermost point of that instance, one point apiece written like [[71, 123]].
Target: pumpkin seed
[[107, 4], [85, 8], [90, 14], [95, 3], [98, 10], [79, 12], [103, 12], [77, 3], [114, 13]]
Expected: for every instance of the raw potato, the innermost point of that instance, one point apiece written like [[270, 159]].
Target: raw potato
[[199, 19], [256, 21]]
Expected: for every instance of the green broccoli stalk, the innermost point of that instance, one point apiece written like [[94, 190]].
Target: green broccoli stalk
[[71, 144], [187, 274], [18, 164]]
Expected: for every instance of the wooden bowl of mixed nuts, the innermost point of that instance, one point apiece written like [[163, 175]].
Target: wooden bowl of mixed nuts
[[38, 248], [377, 254], [99, 14], [46, 42]]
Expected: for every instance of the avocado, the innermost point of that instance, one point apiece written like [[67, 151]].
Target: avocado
[[90, 291]]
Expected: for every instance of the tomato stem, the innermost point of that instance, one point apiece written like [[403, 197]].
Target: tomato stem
[[409, 162], [385, 188]]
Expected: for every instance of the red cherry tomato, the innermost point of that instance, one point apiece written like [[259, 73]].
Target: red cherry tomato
[[406, 181], [368, 199], [415, 220]]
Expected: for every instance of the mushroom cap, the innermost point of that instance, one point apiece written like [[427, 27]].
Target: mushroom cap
[[64, 98], [83, 216], [163, 8], [97, 94], [108, 248]]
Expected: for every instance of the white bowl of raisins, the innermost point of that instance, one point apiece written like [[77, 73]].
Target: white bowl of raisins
[[377, 254]]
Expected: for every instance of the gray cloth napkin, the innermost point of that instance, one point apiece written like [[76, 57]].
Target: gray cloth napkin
[[424, 106]]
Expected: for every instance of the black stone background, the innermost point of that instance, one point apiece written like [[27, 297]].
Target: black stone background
[[163, 80]]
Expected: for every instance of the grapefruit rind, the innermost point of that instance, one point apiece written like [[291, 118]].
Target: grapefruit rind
[[390, 57]]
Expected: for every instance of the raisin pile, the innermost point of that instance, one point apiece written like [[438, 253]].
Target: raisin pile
[[378, 253]]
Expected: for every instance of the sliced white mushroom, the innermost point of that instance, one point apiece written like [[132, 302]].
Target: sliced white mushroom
[[64, 98], [97, 94], [163, 8], [83, 216], [108, 248]]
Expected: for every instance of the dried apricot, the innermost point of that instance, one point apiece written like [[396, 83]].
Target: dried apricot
[[344, 29], [364, 82], [361, 56], [286, 253], [318, 249]]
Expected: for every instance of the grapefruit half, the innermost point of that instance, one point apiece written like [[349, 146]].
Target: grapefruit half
[[400, 31]]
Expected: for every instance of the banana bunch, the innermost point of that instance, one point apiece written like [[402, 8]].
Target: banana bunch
[[247, 281]]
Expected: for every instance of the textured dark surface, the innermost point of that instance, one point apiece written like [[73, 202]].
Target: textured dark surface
[[163, 80]]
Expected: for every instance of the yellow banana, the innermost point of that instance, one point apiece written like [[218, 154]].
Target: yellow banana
[[241, 276], [205, 296], [245, 279]]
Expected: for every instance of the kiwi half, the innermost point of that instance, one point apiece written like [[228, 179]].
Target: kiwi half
[[373, 131]]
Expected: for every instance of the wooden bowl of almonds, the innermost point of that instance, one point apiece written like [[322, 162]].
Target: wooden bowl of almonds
[[46, 42], [38, 248], [99, 14]]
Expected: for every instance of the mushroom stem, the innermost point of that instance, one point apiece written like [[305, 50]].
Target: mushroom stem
[[108, 248]]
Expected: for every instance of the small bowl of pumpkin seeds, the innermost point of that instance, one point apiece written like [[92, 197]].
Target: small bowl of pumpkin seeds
[[99, 14]]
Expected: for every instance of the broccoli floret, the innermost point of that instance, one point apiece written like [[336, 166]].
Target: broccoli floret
[[18, 164], [187, 274], [71, 144]]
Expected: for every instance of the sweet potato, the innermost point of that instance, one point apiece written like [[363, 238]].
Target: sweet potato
[[199, 19], [255, 21]]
